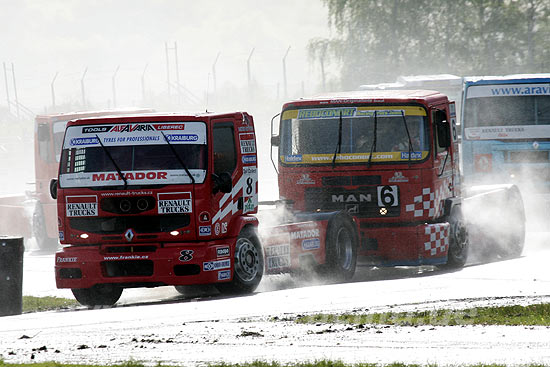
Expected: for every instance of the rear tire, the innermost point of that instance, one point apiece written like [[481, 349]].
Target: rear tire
[[459, 242], [513, 239], [98, 295], [40, 232], [341, 249], [248, 265]]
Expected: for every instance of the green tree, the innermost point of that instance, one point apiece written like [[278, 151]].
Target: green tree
[[377, 40]]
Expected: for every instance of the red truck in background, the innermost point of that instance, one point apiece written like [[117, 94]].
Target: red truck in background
[[48, 137], [158, 199], [375, 175]]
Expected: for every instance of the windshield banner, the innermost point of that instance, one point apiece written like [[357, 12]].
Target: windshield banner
[[157, 177], [508, 90], [507, 132], [352, 157], [334, 112], [135, 133]]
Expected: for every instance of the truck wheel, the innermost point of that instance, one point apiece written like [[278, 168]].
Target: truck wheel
[[459, 243], [341, 249], [40, 233], [98, 295], [248, 267]]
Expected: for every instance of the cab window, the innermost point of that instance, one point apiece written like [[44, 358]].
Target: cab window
[[225, 157]]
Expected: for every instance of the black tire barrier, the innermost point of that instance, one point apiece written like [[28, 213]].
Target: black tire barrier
[[11, 275]]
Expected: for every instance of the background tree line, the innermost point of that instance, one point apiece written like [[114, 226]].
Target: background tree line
[[377, 40]]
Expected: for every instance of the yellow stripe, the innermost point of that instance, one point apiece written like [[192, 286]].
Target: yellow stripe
[[290, 114], [348, 158], [363, 110]]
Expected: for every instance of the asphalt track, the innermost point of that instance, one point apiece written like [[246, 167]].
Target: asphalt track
[[161, 325]]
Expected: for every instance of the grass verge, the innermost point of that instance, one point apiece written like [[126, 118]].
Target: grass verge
[[37, 304], [537, 314]]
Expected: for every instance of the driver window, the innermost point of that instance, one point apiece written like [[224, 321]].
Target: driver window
[[225, 158]]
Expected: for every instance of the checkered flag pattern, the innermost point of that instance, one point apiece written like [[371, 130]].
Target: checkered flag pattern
[[429, 203], [437, 238]]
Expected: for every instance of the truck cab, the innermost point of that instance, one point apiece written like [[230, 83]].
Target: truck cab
[[158, 199]]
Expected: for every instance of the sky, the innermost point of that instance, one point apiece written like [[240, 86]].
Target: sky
[[69, 55], [102, 43]]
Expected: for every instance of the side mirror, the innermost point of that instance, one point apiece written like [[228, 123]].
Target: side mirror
[[443, 130], [275, 140], [53, 188], [222, 183], [43, 132]]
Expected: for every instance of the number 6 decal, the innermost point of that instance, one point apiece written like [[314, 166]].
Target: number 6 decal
[[387, 196]]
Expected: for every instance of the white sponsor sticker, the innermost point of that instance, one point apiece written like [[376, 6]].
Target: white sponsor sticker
[[216, 265], [205, 230], [81, 206], [224, 274], [248, 205], [223, 251], [135, 133], [248, 144], [507, 132], [94, 179], [175, 203], [278, 256], [305, 233], [311, 244], [67, 259]]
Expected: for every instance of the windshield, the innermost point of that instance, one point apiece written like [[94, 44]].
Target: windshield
[[506, 112], [315, 135], [85, 163]]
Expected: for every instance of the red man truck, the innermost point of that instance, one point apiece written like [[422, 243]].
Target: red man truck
[[159, 199], [375, 174]]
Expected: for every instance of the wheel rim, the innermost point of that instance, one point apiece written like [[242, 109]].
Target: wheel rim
[[247, 260], [344, 249]]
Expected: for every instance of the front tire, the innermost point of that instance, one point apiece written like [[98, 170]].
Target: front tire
[[248, 265], [341, 249], [98, 295]]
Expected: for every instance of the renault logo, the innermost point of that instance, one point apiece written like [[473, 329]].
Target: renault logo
[[129, 235]]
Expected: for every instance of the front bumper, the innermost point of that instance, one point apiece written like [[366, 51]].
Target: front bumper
[[145, 265], [423, 244]]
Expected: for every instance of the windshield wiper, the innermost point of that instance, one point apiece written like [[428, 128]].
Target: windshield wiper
[[113, 161], [408, 135], [373, 147], [179, 158], [339, 146]]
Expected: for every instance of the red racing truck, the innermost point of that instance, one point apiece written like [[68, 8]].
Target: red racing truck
[[157, 199], [375, 175]]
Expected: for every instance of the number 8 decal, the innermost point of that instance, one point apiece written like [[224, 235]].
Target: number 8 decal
[[249, 188], [388, 196]]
